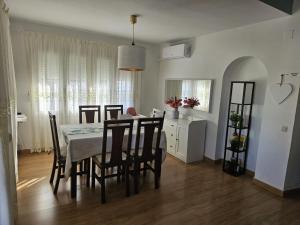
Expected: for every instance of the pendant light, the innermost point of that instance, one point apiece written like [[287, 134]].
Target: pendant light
[[131, 57]]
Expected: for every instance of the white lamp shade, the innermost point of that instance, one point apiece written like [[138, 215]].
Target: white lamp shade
[[131, 58]]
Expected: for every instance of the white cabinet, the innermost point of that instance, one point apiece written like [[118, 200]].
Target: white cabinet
[[186, 138]]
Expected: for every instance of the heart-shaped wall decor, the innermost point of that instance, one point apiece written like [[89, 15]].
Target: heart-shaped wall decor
[[281, 92]]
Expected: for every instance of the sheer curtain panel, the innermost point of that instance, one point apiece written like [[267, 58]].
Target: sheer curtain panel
[[67, 72], [8, 135]]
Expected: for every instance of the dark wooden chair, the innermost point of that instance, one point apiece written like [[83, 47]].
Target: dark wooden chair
[[148, 153], [59, 160], [90, 111], [113, 111], [118, 156], [159, 113]]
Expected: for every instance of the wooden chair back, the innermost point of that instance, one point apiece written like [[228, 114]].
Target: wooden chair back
[[117, 130], [158, 113], [55, 140], [150, 126], [113, 111], [90, 111]]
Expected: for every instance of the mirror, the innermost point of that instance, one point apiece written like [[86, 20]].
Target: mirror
[[201, 89]]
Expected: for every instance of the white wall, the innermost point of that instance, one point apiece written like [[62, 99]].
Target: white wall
[[270, 42], [244, 69], [148, 82]]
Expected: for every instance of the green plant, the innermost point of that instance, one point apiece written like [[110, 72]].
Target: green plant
[[234, 141], [235, 118]]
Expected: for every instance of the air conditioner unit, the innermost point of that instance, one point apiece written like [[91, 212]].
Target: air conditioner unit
[[176, 51]]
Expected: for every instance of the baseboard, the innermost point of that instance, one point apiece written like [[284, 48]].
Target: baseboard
[[268, 187], [211, 161], [250, 173], [292, 192]]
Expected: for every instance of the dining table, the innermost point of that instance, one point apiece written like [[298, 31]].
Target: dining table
[[85, 141]]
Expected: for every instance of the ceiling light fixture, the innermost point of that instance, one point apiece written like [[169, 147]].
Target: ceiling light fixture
[[131, 57]]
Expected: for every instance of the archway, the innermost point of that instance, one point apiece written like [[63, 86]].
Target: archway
[[245, 68]]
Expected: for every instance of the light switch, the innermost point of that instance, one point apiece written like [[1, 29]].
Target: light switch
[[284, 128]]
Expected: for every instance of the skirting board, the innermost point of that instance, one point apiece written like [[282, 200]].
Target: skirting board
[[268, 187], [286, 193]]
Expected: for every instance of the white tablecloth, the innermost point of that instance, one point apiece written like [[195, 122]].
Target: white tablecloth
[[85, 140]]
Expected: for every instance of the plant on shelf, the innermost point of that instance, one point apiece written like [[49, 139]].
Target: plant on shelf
[[237, 142], [191, 102], [235, 119], [234, 142]]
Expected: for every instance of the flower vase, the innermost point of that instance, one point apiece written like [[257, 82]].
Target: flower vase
[[186, 112], [175, 113]]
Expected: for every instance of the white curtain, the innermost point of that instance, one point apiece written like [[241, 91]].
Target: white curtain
[[8, 135], [68, 72]]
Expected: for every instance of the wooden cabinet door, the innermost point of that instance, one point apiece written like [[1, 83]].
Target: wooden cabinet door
[[182, 137]]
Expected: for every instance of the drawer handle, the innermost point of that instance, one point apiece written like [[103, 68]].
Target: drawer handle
[[171, 146], [172, 135]]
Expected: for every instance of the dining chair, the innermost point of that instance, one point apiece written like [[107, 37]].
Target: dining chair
[[159, 113], [116, 156], [59, 160], [90, 111], [113, 111], [147, 153]]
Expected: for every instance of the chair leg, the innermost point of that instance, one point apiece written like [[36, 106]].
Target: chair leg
[[157, 173], [103, 199], [81, 167], [118, 174], [145, 169], [136, 177], [93, 174], [127, 180], [57, 179], [157, 179], [87, 165], [53, 171], [123, 172]]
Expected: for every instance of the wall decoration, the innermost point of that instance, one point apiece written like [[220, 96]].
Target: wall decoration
[[282, 91]]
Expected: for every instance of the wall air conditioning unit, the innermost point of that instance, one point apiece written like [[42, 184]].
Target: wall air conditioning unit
[[176, 52]]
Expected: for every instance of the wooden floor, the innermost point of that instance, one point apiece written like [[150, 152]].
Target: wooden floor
[[190, 194]]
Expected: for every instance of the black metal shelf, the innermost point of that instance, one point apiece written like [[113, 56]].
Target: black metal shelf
[[236, 166], [240, 150], [233, 103], [233, 169], [239, 128]]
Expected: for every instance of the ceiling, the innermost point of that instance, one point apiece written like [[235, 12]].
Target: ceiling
[[160, 20]]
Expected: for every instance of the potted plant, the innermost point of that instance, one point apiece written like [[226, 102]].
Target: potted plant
[[235, 142], [191, 102], [188, 105], [174, 103], [235, 119]]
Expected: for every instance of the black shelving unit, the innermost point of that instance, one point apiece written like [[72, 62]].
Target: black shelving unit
[[235, 157]]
